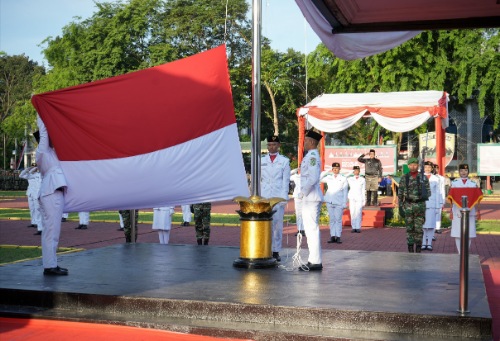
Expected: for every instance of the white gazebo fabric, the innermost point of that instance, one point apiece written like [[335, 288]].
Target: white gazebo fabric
[[350, 46]]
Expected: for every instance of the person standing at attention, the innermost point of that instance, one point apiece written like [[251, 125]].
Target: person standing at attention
[[275, 182], [412, 204], [373, 175], [357, 199], [201, 213], [455, 215], [312, 197], [431, 206], [32, 174], [162, 222], [336, 200], [51, 199]]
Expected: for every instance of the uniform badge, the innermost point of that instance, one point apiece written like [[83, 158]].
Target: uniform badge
[[313, 162]]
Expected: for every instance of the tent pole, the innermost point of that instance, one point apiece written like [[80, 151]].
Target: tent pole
[[256, 96], [440, 143]]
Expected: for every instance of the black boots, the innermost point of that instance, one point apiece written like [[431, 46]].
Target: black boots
[[276, 256], [375, 198], [410, 248], [418, 249], [202, 241], [205, 241], [368, 198]]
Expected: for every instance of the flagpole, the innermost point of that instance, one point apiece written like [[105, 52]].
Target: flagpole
[[256, 97]]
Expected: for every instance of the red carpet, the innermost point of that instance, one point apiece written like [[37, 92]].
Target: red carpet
[[33, 330]]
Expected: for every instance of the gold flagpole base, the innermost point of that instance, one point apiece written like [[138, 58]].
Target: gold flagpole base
[[256, 232]]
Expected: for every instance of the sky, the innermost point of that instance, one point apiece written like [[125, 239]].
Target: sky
[[24, 24]]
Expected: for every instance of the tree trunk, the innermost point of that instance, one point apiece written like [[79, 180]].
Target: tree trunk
[[275, 109]]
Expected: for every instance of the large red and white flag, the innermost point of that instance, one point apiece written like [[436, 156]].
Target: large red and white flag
[[162, 136]]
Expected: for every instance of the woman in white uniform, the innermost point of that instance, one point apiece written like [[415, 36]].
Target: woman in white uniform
[[357, 199], [162, 222], [431, 206]]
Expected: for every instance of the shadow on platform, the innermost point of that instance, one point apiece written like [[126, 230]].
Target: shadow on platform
[[195, 289]]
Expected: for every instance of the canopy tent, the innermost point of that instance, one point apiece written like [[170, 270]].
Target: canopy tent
[[395, 111]]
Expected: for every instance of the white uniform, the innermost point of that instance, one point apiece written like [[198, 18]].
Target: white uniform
[[84, 218], [34, 182], [162, 221], [51, 196], [357, 199], [295, 177], [186, 213], [336, 200], [275, 182], [310, 170], [431, 206], [442, 200], [457, 215]]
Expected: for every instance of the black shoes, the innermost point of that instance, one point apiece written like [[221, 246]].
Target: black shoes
[[312, 267], [57, 271], [276, 256], [81, 227], [332, 240], [302, 232], [424, 247], [339, 241], [185, 223], [37, 233], [355, 231], [439, 231], [120, 229], [63, 220], [32, 225]]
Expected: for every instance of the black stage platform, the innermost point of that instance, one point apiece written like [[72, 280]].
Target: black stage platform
[[359, 295]]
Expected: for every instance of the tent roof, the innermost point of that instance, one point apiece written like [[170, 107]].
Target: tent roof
[[347, 16], [395, 111]]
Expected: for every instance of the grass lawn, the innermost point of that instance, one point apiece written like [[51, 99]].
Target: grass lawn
[[14, 253]]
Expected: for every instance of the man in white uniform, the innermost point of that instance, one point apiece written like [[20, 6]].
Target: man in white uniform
[[311, 196], [336, 200], [34, 182], [456, 215], [275, 182], [431, 206], [51, 201], [162, 222], [357, 199]]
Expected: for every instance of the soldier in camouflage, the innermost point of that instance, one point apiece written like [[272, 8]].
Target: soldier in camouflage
[[127, 227], [412, 204], [202, 222]]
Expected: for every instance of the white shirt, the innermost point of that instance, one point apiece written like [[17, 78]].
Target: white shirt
[[310, 169], [435, 195], [275, 176], [336, 193], [357, 189]]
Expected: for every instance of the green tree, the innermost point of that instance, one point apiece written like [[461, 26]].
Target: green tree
[[16, 77]]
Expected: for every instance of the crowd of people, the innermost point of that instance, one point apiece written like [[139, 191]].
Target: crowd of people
[[421, 198]]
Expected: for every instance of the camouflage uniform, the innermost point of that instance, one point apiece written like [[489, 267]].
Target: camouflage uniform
[[412, 207], [202, 222], [127, 228]]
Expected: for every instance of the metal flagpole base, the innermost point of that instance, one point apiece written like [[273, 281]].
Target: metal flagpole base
[[256, 232]]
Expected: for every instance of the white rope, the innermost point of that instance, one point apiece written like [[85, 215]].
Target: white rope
[[297, 262]]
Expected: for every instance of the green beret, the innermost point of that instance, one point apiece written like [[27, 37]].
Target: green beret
[[413, 160]]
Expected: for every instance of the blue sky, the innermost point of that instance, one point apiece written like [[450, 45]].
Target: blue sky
[[24, 24]]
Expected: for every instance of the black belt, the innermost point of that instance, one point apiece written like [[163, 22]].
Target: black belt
[[415, 200], [371, 174]]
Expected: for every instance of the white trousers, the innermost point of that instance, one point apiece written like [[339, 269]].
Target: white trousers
[[186, 213], [427, 236], [356, 211], [298, 214], [52, 208], [164, 236], [310, 218], [430, 218], [438, 218], [121, 221], [84, 218], [335, 214], [277, 227], [36, 215]]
